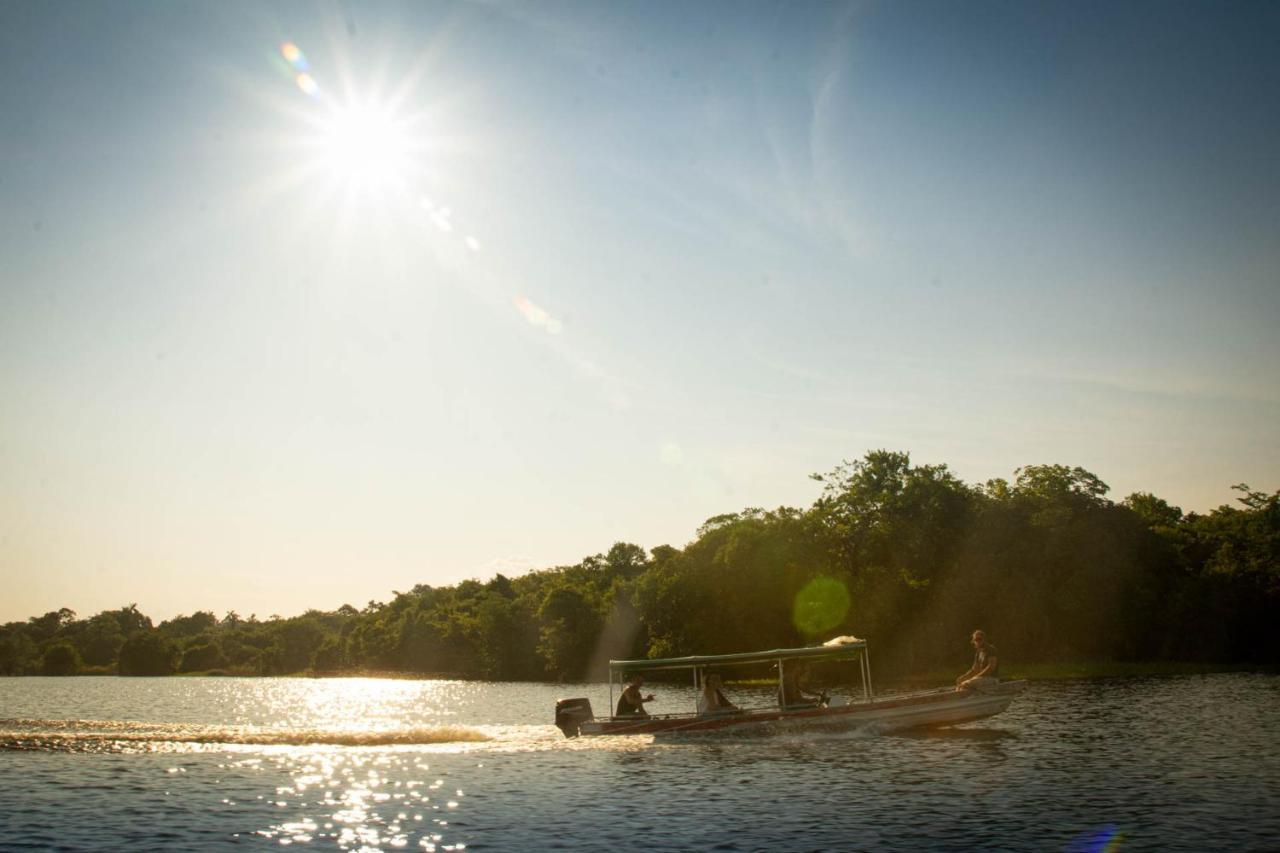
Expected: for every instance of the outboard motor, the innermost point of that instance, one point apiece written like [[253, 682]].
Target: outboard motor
[[571, 714]]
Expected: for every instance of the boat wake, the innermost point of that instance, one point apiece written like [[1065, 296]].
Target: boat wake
[[130, 736]]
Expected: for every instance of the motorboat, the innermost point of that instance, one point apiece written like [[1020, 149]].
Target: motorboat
[[859, 708]]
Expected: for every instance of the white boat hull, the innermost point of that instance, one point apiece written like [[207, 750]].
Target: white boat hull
[[914, 710]]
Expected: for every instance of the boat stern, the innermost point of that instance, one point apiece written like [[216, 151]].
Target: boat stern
[[571, 714]]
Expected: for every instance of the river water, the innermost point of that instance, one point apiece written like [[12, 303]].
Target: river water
[[1188, 763]]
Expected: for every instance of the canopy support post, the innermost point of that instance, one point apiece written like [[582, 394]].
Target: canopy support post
[[782, 690]]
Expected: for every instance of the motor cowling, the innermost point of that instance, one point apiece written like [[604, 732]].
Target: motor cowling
[[571, 714]]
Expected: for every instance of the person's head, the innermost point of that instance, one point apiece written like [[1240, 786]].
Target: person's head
[[978, 639], [636, 680], [713, 680]]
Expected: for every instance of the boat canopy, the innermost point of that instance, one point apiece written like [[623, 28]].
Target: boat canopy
[[832, 649]]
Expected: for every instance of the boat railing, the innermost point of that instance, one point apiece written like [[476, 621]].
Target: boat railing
[[839, 648]]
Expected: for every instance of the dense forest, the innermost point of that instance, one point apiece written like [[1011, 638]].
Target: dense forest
[[908, 556]]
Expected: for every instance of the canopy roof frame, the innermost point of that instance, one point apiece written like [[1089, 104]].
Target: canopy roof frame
[[840, 650]]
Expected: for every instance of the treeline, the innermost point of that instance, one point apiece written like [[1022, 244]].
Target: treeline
[[906, 555]]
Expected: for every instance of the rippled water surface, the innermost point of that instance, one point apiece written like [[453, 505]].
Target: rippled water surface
[[1187, 763]]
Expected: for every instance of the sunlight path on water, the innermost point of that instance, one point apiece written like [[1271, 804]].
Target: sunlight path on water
[[1179, 763]]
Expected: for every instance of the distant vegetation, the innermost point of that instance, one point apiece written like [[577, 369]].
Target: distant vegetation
[[905, 555]]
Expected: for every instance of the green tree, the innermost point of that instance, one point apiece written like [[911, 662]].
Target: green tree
[[189, 626], [626, 560], [570, 626], [147, 653], [1235, 554], [131, 620], [60, 659], [906, 555], [101, 640], [293, 644], [883, 512], [506, 638], [202, 656], [330, 656], [894, 532], [1057, 491], [1154, 512], [42, 628], [18, 652]]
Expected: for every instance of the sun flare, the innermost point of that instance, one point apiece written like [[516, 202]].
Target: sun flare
[[366, 146], [362, 146]]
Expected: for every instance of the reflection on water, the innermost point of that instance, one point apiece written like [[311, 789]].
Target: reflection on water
[[354, 764], [976, 735], [127, 736], [359, 800]]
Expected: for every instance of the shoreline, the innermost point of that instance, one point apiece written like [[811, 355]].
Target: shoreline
[[1030, 671]]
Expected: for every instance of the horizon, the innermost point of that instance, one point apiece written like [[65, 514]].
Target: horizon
[[306, 304]]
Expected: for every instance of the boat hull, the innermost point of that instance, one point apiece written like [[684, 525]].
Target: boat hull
[[932, 708]]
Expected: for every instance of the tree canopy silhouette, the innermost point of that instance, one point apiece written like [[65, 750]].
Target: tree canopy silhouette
[[906, 555]]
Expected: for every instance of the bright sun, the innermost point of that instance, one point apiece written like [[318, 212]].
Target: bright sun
[[359, 144], [366, 147]]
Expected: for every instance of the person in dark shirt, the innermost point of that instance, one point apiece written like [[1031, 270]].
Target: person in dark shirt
[[986, 666], [631, 703]]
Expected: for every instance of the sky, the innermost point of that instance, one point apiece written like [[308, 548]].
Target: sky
[[304, 303]]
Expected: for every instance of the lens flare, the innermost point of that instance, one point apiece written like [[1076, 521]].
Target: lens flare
[[307, 84], [301, 69], [294, 56], [537, 317], [1104, 839], [820, 606], [440, 215]]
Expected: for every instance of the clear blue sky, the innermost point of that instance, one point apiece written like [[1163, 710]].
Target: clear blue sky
[[514, 282]]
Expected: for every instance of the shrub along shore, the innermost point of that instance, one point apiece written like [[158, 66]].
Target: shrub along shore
[[908, 556]]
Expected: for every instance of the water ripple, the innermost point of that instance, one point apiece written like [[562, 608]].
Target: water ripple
[[1166, 763]]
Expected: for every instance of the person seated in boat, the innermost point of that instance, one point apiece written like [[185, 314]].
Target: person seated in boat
[[985, 671], [713, 700], [631, 702], [793, 693]]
